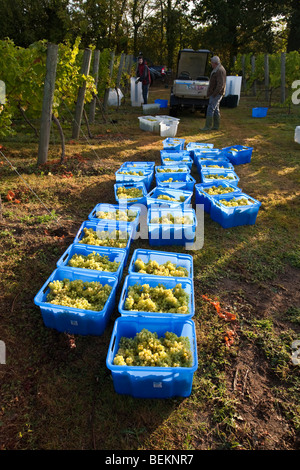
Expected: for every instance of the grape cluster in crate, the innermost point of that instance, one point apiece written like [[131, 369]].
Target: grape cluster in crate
[[152, 351]]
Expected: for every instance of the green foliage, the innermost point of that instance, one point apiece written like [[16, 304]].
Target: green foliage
[[23, 72], [292, 70]]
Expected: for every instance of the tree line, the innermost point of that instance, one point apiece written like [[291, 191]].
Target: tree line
[[158, 28]]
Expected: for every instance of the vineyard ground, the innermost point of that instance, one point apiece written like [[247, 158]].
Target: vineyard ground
[[56, 392]]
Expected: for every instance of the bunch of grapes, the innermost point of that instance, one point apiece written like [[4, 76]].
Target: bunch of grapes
[[170, 180], [213, 190], [124, 215], [183, 159], [165, 269], [115, 238], [170, 219], [144, 298], [128, 193], [79, 294], [165, 197], [236, 202], [213, 166], [219, 177], [93, 261], [170, 170], [131, 172], [147, 350]]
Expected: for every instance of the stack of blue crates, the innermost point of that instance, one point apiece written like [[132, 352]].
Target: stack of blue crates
[[150, 382], [174, 181], [154, 381], [78, 320], [216, 169]]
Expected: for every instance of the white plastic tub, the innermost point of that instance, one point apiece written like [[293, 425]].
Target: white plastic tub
[[233, 86], [297, 135], [168, 128], [136, 92], [149, 123], [151, 108]]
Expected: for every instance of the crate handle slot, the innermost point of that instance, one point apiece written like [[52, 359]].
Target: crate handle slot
[[123, 295], [113, 343], [65, 257], [46, 288]]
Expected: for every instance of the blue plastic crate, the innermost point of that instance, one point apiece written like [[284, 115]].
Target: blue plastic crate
[[111, 208], [202, 197], [75, 320], [152, 382], [193, 146], [233, 216], [238, 154], [173, 143], [117, 255], [154, 281], [220, 164], [162, 103], [166, 170], [139, 164], [181, 181], [130, 201], [229, 176], [259, 112], [146, 178], [107, 227], [162, 257], [105, 207], [207, 152], [152, 197], [171, 234], [168, 159], [215, 158]]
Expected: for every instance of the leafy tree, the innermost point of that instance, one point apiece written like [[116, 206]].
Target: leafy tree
[[28, 21], [293, 43], [234, 26]]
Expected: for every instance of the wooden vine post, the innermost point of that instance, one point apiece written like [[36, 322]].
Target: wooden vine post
[[85, 69], [49, 87], [95, 73], [111, 68], [267, 78], [119, 76], [282, 86]]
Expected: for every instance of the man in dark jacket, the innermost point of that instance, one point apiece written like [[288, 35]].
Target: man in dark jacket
[[215, 92], [143, 74]]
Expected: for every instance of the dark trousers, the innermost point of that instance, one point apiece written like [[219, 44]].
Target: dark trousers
[[145, 93]]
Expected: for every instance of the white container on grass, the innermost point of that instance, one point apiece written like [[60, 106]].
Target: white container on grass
[[168, 129], [233, 86], [136, 92], [297, 135]]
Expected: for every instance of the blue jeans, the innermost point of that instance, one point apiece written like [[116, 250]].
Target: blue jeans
[[145, 93], [213, 108]]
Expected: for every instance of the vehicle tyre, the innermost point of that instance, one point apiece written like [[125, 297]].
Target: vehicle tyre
[[173, 112]]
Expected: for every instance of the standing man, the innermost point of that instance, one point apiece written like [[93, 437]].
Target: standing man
[[143, 74], [215, 92]]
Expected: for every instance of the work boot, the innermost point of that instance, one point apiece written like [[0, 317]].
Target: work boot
[[216, 123], [208, 124]]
